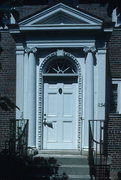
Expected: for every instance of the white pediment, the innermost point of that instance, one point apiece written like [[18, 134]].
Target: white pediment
[[61, 15]]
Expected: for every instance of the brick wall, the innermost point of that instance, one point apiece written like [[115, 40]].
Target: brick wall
[[7, 82], [114, 123], [114, 143], [114, 54]]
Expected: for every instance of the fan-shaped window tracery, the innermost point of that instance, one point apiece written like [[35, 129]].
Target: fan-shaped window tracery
[[60, 66]]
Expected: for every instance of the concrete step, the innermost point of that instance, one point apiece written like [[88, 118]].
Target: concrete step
[[63, 159], [74, 169], [71, 166], [64, 169], [59, 152], [79, 177], [57, 177]]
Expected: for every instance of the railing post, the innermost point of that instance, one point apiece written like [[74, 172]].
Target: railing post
[[97, 156], [18, 137]]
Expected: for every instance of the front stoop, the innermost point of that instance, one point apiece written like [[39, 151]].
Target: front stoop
[[62, 166]]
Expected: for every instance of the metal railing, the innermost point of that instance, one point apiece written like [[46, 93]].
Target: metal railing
[[18, 141], [98, 159]]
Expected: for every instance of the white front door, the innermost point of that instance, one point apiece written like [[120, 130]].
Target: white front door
[[60, 111]]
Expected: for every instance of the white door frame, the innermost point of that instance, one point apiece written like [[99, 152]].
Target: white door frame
[[41, 95]]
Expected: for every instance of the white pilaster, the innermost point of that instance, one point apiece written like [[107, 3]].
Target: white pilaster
[[26, 65], [19, 83], [32, 98], [101, 62], [89, 91]]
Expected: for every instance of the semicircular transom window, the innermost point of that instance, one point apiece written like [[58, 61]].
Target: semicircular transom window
[[60, 66]]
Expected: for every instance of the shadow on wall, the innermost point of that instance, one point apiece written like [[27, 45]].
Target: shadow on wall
[[13, 167]]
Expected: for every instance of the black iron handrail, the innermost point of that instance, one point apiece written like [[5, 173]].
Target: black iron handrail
[[98, 159], [22, 140], [18, 141]]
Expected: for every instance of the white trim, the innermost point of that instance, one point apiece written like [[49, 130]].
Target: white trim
[[40, 111], [116, 79], [118, 82], [62, 27], [88, 42], [60, 44], [61, 75]]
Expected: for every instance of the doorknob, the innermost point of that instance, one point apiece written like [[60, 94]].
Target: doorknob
[[49, 124]]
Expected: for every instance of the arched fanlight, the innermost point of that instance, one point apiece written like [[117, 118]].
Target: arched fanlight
[[60, 66]]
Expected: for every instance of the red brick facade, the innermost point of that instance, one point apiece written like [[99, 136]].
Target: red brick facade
[[114, 143], [7, 82], [114, 54], [114, 121]]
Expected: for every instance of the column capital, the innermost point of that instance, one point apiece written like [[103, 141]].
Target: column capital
[[89, 49], [31, 50]]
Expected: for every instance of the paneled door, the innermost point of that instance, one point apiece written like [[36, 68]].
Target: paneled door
[[60, 115]]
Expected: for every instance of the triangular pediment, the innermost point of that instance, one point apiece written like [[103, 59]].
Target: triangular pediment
[[60, 15], [60, 18]]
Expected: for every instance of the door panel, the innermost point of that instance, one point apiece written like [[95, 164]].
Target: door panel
[[52, 109], [67, 135], [67, 104], [60, 108], [51, 138]]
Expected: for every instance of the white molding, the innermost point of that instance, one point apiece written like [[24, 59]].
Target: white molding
[[89, 49], [118, 82], [116, 79], [84, 42], [61, 44], [61, 75], [62, 27]]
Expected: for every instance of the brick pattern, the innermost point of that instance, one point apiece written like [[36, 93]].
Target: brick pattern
[[114, 142], [7, 82], [97, 10], [114, 54], [26, 11]]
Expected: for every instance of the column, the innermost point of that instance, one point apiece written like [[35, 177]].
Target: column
[[26, 75], [19, 82], [32, 98], [89, 91]]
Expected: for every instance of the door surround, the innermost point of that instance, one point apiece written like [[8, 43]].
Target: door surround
[[71, 58]]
